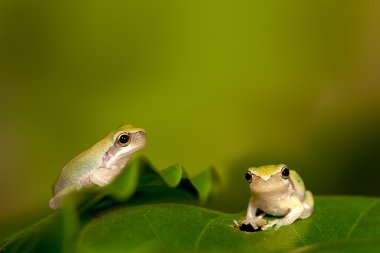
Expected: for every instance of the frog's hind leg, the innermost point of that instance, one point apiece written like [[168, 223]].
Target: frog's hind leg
[[55, 202], [308, 205], [296, 210]]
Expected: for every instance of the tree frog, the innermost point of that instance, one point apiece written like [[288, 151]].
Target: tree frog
[[277, 191], [99, 164]]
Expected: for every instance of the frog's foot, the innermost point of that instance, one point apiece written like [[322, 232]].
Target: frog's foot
[[271, 224], [293, 215], [250, 222], [55, 202], [277, 223], [256, 222]]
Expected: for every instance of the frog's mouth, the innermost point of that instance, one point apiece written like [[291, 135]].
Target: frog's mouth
[[260, 186]]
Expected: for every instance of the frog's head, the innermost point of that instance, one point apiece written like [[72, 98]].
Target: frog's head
[[269, 178], [121, 144], [128, 139]]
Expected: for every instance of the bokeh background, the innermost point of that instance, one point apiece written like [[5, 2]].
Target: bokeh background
[[231, 84]]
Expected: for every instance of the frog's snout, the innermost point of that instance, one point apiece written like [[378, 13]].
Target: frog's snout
[[140, 138]]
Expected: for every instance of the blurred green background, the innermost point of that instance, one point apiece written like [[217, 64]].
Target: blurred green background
[[232, 84]]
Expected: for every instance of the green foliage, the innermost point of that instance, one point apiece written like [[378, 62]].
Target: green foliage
[[146, 210], [339, 222], [139, 183]]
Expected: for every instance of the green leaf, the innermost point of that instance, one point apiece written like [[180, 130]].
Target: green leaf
[[140, 182], [206, 182], [140, 177], [349, 223], [339, 224], [143, 210], [54, 233]]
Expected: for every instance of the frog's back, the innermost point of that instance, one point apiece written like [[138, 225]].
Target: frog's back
[[298, 184], [78, 170]]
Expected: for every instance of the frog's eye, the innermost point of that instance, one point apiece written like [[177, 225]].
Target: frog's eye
[[248, 177], [285, 172], [123, 139]]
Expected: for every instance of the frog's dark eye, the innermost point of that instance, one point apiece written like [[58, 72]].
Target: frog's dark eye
[[123, 139], [248, 177], [285, 172]]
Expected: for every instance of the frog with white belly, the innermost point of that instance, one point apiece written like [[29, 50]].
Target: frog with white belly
[[277, 191]]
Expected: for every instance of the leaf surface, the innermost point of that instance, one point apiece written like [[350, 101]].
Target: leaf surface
[[150, 210], [345, 223]]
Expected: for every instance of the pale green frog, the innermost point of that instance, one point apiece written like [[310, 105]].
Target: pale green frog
[[99, 164], [277, 191]]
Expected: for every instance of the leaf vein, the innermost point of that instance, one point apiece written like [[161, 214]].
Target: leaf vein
[[299, 235], [152, 228], [361, 215], [201, 234]]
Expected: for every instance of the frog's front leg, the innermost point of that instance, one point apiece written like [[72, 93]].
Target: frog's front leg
[[103, 176], [295, 212], [255, 221]]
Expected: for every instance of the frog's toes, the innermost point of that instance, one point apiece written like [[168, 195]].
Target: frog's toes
[[277, 227], [271, 224], [251, 222], [261, 222]]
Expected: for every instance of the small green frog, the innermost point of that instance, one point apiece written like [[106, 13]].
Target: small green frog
[[277, 191], [100, 164]]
